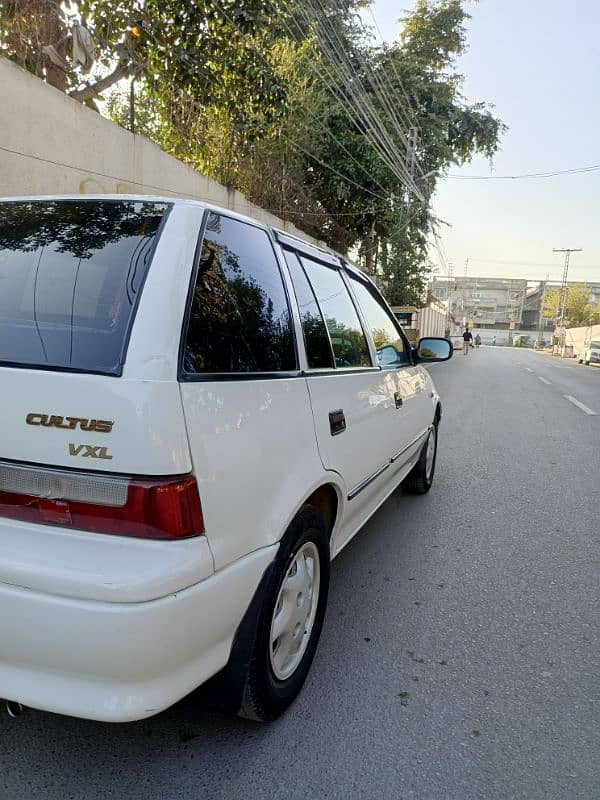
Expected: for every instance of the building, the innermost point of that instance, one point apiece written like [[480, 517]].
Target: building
[[483, 302], [430, 320], [501, 307]]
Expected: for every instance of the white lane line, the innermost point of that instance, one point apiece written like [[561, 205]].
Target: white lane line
[[579, 405], [545, 380], [528, 369]]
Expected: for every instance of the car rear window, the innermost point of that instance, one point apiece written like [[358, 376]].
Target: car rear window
[[71, 273]]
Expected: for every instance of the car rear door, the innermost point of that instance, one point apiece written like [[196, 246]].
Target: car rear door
[[246, 402]]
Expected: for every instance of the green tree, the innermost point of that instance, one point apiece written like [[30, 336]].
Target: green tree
[[193, 50], [262, 96], [34, 34], [579, 310]]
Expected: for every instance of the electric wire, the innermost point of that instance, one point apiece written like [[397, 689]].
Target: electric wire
[[380, 92], [550, 174], [386, 49], [337, 52], [356, 102], [301, 147], [319, 122], [353, 111]]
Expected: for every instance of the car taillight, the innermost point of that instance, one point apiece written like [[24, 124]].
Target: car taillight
[[149, 508]]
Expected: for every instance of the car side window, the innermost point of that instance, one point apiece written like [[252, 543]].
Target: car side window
[[348, 340], [316, 339], [239, 319], [389, 342]]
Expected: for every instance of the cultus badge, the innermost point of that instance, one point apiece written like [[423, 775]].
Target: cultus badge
[[70, 423]]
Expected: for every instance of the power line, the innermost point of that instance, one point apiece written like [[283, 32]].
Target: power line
[[334, 170], [352, 96], [526, 263], [357, 213], [324, 127], [351, 108], [573, 171], [300, 147], [386, 49]]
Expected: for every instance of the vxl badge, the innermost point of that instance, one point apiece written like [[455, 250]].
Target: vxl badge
[[70, 424]]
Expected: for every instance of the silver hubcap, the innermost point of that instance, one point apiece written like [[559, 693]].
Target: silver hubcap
[[430, 454], [295, 611]]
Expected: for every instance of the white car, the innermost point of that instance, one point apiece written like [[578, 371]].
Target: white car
[[198, 413], [591, 353]]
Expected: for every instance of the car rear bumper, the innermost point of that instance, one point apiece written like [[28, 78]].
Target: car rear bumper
[[119, 662]]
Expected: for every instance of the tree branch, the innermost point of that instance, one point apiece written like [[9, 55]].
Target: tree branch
[[95, 89]]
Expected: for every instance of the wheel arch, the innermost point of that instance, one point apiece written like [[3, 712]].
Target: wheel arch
[[327, 500], [224, 692]]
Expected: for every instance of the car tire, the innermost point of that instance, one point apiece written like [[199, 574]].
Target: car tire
[[420, 478], [297, 589], [587, 363], [581, 360]]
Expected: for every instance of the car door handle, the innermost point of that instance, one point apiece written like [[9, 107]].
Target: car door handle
[[337, 421], [398, 400]]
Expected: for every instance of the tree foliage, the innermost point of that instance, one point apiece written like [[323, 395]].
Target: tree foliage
[[579, 309], [262, 96]]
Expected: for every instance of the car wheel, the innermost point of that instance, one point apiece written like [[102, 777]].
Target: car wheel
[[420, 478], [587, 363], [581, 360], [291, 619]]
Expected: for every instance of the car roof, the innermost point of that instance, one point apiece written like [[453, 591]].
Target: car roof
[[188, 201]]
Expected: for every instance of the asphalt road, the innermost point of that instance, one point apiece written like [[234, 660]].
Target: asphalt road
[[460, 657]]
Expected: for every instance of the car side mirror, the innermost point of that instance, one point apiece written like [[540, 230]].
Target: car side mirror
[[387, 356], [434, 348]]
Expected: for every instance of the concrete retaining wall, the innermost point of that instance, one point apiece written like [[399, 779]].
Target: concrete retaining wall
[[50, 144]]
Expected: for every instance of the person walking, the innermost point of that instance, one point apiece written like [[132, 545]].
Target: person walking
[[493, 341], [467, 340], [477, 341]]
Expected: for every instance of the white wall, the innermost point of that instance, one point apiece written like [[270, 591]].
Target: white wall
[[577, 336], [432, 321], [50, 144]]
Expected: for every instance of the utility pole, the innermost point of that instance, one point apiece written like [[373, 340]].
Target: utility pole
[[411, 151], [132, 106], [562, 306], [523, 293]]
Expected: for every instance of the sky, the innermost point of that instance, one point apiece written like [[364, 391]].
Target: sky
[[538, 63]]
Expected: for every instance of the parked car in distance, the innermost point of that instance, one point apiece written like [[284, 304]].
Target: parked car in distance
[[457, 341], [591, 352], [199, 412]]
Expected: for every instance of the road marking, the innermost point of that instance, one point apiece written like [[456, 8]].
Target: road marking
[[528, 369], [545, 380], [579, 405]]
